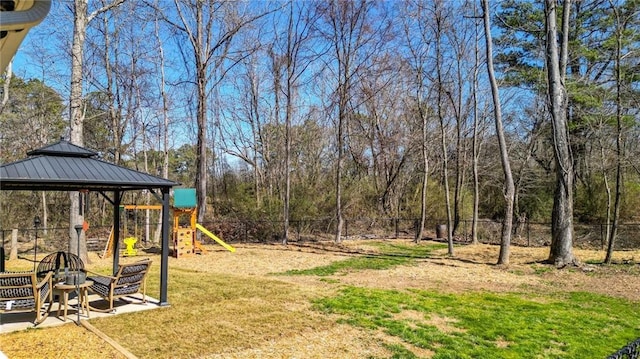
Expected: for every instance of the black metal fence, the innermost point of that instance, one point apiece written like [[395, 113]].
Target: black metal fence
[[532, 234], [629, 351]]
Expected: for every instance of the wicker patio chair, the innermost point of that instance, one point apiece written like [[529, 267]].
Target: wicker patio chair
[[21, 292], [130, 279]]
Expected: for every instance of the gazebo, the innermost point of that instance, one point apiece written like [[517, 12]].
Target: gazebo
[[63, 166]]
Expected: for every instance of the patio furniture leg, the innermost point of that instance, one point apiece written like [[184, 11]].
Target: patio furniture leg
[[66, 303], [84, 300]]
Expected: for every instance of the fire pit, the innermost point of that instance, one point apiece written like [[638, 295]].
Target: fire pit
[[66, 267]]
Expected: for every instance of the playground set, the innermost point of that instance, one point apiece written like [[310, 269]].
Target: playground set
[[184, 236]]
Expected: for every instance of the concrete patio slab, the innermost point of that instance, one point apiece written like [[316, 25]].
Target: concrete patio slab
[[11, 322]]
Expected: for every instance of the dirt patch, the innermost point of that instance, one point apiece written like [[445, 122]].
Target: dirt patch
[[444, 324], [502, 343]]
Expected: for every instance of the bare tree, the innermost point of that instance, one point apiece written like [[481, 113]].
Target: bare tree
[[439, 24], [475, 144], [210, 27], [509, 188], [298, 32], [419, 51], [460, 40], [347, 35], [561, 253], [164, 125], [252, 147], [82, 18], [620, 23]]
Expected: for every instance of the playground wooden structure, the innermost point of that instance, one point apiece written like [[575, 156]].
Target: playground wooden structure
[[184, 238]]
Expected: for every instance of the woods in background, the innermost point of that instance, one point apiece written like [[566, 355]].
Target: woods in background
[[334, 109]]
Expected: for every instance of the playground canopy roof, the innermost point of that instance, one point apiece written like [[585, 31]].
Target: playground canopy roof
[[63, 166]]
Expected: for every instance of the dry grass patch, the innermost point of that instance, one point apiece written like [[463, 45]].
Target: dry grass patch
[[338, 341], [502, 343], [411, 315], [229, 305], [444, 324], [213, 313], [415, 318], [67, 341]]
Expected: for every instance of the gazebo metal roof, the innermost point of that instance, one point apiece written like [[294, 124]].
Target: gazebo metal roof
[[63, 166]]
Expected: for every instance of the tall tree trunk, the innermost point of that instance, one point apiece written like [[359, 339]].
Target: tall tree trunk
[[201, 146], [340, 159], [291, 59], [445, 179], [45, 214], [443, 133], [461, 147], [348, 26], [8, 73], [509, 188], [147, 194], [164, 137], [254, 106], [425, 164], [619, 143], [216, 24], [76, 111], [561, 252], [475, 144], [201, 60], [607, 188]]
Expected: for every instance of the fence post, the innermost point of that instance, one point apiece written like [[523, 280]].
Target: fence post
[[466, 238], [528, 233], [397, 229], [601, 236], [346, 229], [2, 254], [14, 244], [246, 232]]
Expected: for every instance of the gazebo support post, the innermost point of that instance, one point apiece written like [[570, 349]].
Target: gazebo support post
[[164, 260], [117, 197]]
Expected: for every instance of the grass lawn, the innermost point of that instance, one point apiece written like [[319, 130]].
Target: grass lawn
[[369, 299]]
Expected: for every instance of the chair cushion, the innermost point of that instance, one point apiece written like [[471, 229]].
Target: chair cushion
[[100, 285], [138, 267], [129, 289], [134, 278]]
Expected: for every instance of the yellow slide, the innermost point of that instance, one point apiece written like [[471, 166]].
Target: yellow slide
[[213, 236]]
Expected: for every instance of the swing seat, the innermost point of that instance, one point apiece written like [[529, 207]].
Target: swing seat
[[130, 250]]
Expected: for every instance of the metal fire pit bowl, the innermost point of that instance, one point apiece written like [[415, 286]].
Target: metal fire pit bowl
[[63, 265]]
